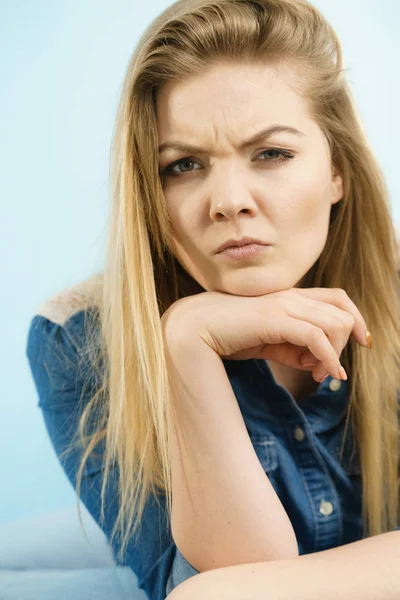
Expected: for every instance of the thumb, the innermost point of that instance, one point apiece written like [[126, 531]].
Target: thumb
[[290, 355]]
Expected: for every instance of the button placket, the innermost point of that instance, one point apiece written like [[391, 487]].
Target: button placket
[[299, 434], [335, 385], [326, 508]]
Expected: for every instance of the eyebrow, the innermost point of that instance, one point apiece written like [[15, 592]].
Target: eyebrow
[[258, 137]]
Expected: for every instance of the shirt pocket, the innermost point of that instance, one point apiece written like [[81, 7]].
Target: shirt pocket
[[265, 447]]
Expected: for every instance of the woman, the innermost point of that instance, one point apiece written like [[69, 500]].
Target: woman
[[182, 366]]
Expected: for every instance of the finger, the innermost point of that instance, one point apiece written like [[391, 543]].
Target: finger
[[338, 297], [307, 358], [302, 333], [286, 354], [335, 322]]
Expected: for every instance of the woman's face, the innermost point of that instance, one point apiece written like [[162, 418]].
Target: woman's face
[[220, 191]]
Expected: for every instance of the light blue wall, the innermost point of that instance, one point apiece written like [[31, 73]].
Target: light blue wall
[[61, 66]]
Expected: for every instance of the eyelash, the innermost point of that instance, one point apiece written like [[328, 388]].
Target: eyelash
[[167, 171]]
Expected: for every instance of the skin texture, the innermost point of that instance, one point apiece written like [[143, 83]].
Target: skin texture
[[227, 192], [363, 570]]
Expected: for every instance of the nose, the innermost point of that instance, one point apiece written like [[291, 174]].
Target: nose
[[230, 195]]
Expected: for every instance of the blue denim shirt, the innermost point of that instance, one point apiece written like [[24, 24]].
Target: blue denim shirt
[[297, 445]]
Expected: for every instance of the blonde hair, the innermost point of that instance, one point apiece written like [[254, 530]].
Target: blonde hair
[[141, 278]]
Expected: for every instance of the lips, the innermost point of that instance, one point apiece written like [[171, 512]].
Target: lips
[[242, 242]]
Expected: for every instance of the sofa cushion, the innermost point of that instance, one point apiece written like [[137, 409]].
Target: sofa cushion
[[110, 583], [54, 541]]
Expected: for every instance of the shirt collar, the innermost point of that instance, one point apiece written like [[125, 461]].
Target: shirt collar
[[325, 408], [257, 393]]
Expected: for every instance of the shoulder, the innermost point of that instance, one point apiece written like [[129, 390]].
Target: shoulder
[[63, 305], [61, 338]]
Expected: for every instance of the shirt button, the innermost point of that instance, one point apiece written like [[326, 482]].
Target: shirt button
[[334, 385], [326, 508], [299, 434]]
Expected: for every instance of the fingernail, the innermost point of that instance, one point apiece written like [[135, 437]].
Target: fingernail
[[323, 378], [307, 361], [368, 337], [342, 373]]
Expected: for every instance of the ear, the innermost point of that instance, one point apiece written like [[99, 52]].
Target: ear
[[337, 186]]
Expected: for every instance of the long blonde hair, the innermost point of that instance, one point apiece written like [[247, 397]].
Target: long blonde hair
[[141, 278]]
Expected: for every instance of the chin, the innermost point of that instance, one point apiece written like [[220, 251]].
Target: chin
[[254, 288], [255, 281]]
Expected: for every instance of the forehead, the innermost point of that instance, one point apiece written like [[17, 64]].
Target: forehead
[[238, 99]]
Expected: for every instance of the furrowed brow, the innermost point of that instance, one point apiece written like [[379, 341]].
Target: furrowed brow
[[258, 137]]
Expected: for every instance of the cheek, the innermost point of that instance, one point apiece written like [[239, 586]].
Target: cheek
[[179, 220], [307, 202], [184, 228], [180, 206]]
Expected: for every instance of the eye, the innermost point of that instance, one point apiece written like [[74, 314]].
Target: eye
[[168, 171], [283, 156]]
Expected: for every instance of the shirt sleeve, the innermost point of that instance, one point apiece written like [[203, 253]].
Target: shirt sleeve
[[60, 374], [181, 570]]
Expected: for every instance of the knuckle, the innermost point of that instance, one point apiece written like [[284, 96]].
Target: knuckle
[[349, 320], [341, 323], [336, 323], [342, 293], [317, 334]]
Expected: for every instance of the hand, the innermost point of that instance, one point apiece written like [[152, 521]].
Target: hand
[[280, 326]]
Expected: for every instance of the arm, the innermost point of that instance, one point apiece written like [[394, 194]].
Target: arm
[[363, 570], [60, 373], [225, 510]]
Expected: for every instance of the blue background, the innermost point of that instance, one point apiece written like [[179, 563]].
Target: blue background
[[61, 71]]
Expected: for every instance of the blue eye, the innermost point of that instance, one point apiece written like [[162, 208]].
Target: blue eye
[[283, 156], [168, 170]]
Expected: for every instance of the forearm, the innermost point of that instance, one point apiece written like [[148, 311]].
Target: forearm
[[364, 570], [225, 510]]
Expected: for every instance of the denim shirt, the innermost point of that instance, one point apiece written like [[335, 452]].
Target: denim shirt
[[297, 445]]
